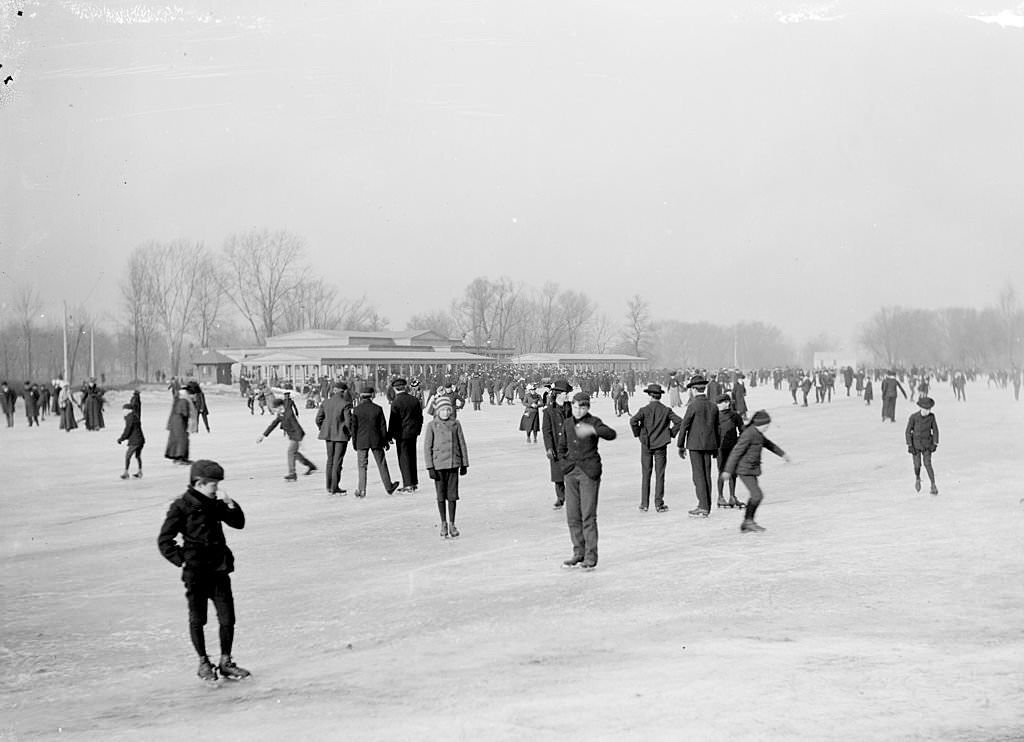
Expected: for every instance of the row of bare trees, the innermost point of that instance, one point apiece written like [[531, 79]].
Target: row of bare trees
[[955, 336], [548, 319], [181, 289]]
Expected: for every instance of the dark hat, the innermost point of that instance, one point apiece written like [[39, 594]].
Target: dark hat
[[192, 386], [926, 403], [561, 385], [367, 391], [760, 418], [206, 469], [654, 389], [741, 375], [696, 380], [581, 397], [722, 398], [397, 383]]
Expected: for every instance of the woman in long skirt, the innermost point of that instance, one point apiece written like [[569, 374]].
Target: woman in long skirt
[[177, 430]]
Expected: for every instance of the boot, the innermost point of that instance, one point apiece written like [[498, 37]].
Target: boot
[[722, 503], [230, 670], [917, 484], [734, 503], [444, 529], [934, 490], [453, 531], [749, 526], [206, 671]]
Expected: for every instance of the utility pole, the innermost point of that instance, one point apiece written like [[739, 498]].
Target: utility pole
[[92, 349], [735, 346], [67, 378]]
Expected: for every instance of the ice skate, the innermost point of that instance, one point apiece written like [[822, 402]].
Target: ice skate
[[124, 476], [934, 490], [290, 478], [558, 505], [206, 671], [231, 671], [750, 526], [444, 529], [734, 503], [697, 513], [453, 531], [663, 508], [917, 484], [137, 475], [572, 562], [722, 503]]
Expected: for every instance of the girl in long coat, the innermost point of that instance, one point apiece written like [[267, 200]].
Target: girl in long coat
[[530, 421], [66, 407], [177, 429]]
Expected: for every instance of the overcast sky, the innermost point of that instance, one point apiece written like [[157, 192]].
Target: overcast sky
[[797, 163]]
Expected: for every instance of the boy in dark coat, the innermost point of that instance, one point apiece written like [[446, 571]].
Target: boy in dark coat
[[285, 417], [405, 424], [655, 424], [333, 419], [922, 439], [581, 464], [136, 440], [206, 561], [745, 462]]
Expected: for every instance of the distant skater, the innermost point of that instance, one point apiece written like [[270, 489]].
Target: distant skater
[[922, 439], [890, 385], [136, 440]]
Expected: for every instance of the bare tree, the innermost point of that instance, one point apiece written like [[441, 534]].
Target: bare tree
[[576, 309], [601, 333], [1010, 315], [550, 328], [360, 314], [261, 269], [311, 304], [438, 320], [637, 330], [27, 307], [173, 275], [488, 310], [209, 298], [135, 294]]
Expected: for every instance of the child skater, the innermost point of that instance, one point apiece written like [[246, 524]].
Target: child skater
[[447, 458], [869, 392], [745, 462], [136, 440], [922, 440]]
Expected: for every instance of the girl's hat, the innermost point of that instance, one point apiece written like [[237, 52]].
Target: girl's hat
[[760, 418], [442, 403]]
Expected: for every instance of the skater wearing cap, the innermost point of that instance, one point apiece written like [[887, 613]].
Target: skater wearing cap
[[206, 561], [136, 440], [447, 458], [745, 462], [922, 439], [404, 426], [530, 421], [698, 434], [285, 417], [655, 425], [370, 434], [552, 426], [581, 466]]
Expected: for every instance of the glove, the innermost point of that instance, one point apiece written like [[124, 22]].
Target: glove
[[433, 474], [463, 470], [910, 449], [550, 454], [682, 453]]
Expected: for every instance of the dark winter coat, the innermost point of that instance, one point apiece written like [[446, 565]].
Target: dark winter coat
[[730, 424], [334, 419], [177, 426], [739, 398], [530, 420], [289, 424], [745, 459], [132, 431], [655, 425], [699, 429], [922, 432], [369, 429], [406, 418], [198, 519], [552, 428], [889, 387], [582, 452]]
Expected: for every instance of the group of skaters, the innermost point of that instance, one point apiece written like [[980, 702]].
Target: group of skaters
[[58, 398]]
